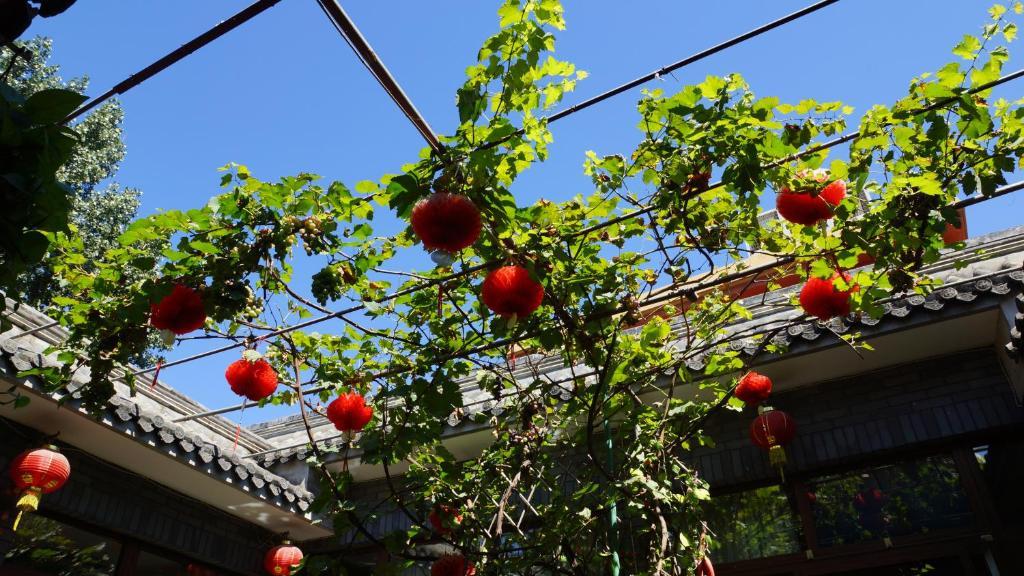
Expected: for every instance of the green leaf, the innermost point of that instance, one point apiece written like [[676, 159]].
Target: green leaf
[[52, 105], [968, 47]]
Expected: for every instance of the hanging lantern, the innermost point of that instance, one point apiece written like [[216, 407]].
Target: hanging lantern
[[821, 298], [511, 292], [753, 388], [444, 519], [705, 567], [252, 376], [452, 565], [281, 560], [771, 431], [349, 412], [806, 202], [446, 222], [180, 312], [36, 472]]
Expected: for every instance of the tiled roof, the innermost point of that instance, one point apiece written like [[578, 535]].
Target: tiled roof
[[148, 419]]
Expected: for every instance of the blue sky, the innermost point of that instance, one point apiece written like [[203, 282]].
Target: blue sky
[[284, 94]]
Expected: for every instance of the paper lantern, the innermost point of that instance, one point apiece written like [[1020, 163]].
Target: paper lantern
[[753, 388], [446, 222], [251, 376], [771, 431], [349, 412], [705, 567], [821, 298], [511, 292], [36, 472], [281, 560], [452, 565], [180, 312], [808, 206], [444, 519]]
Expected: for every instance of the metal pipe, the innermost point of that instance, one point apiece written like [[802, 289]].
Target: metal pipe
[[175, 56], [355, 39]]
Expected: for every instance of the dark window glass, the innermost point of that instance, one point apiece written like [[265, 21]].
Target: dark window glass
[[155, 565], [45, 547], [935, 567], [906, 498], [1002, 465], [752, 524]]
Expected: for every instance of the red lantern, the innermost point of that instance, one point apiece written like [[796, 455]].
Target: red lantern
[[771, 430], [753, 388], [511, 292], [805, 203], [36, 472], [252, 376], [820, 297], [281, 560], [452, 565], [444, 519], [349, 412], [705, 567], [447, 222], [180, 312]]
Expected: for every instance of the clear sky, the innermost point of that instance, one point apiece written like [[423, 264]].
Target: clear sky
[[284, 94]]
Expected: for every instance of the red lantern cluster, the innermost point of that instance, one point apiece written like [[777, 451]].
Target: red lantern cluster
[[705, 567], [36, 472], [452, 565], [281, 560], [808, 204], [349, 412], [771, 431], [444, 519], [251, 376], [511, 292], [447, 222], [821, 298], [180, 312], [753, 388]]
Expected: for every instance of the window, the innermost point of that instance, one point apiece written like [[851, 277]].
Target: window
[[153, 565], [752, 524], [45, 547], [906, 498]]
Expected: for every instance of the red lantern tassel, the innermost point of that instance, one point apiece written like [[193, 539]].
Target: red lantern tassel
[[156, 374]]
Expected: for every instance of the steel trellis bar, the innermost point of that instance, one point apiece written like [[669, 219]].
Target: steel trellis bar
[[176, 55], [355, 39], [674, 66]]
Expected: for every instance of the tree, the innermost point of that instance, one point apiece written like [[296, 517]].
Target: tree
[[100, 209], [577, 460]]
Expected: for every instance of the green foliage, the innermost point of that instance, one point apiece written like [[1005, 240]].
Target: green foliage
[[653, 363], [32, 149], [100, 210]]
